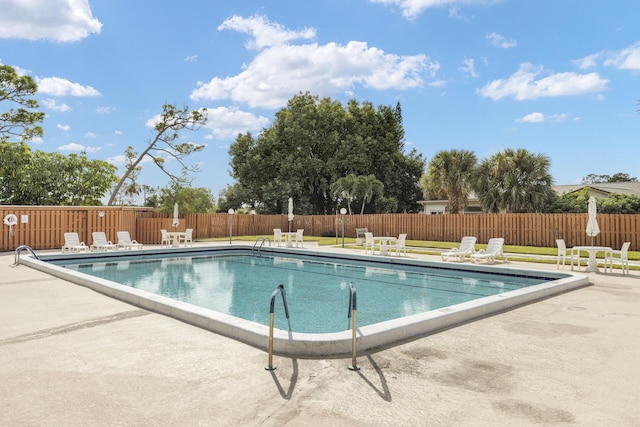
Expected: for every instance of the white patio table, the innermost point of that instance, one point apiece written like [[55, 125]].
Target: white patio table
[[175, 237], [592, 265], [290, 235], [384, 243]]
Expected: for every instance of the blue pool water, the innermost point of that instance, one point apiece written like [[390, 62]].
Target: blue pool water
[[317, 290]]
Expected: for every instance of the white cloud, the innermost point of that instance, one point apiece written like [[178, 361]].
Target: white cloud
[[118, 132], [192, 58], [412, 8], [532, 118], [263, 32], [588, 61], [90, 135], [64, 128], [105, 110], [227, 123], [522, 85], [454, 13], [78, 148], [57, 20], [118, 160], [625, 59], [540, 117], [56, 86], [469, 68], [498, 40], [51, 104], [281, 70]]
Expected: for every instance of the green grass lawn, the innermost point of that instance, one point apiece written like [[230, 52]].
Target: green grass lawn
[[435, 248]]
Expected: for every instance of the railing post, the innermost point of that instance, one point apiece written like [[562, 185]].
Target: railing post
[[279, 290], [353, 314]]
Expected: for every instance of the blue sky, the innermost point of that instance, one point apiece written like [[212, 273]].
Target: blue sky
[[557, 77]]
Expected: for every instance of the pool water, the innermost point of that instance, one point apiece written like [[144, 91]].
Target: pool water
[[317, 291]]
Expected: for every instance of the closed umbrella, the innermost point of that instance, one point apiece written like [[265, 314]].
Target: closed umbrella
[[592, 224], [176, 221], [290, 213]]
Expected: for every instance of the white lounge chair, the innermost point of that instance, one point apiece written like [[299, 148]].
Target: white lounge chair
[[401, 244], [72, 243], [467, 247], [277, 236], [493, 250], [298, 242], [100, 242], [563, 252], [622, 255], [369, 243], [124, 241]]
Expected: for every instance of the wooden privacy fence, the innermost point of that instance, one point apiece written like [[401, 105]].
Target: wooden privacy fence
[[43, 227], [517, 229]]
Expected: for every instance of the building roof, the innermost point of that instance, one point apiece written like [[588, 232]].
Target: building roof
[[604, 188]]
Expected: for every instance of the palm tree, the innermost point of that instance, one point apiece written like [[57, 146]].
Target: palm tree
[[514, 181], [367, 187], [450, 174], [345, 188]]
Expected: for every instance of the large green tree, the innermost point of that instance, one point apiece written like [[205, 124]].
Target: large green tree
[[311, 145], [616, 177], [577, 202], [189, 199], [450, 174], [514, 181], [162, 146], [20, 122], [38, 178]]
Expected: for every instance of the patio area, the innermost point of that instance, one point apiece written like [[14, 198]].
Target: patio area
[[70, 356]]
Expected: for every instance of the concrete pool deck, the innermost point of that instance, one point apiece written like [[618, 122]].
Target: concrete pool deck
[[70, 356]]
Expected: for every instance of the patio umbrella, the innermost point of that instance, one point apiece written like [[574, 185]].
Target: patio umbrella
[[290, 214], [176, 221], [592, 224]]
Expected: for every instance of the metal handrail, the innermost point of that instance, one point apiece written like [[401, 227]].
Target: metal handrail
[[260, 240], [20, 249], [279, 290], [352, 314]]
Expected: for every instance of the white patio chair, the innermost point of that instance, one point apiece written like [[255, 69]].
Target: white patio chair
[[467, 247], [298, 242], [165, 241], [401, 244], [187, 238], [72, 243], [124, 241], [100, 242], [493, 250], [563, 251], [277, 236], [369, 243], [622, 256]]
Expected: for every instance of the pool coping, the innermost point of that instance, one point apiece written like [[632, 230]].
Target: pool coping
[[369, 338]]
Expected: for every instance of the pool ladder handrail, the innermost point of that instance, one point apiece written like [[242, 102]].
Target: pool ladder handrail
[[20, 249], [352, 314], [260, 240], [279, 290]]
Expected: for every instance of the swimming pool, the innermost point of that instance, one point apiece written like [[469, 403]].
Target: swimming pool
[[422, 300]]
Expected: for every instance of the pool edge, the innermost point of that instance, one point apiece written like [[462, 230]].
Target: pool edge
[[369, 338]]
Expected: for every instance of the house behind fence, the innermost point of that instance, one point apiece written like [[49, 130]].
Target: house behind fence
[[43, 227]]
